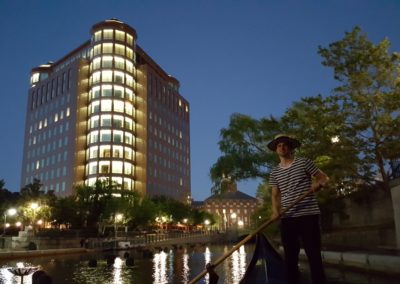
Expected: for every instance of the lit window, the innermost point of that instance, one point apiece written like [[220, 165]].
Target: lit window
[[118, 106], [96, 77], [128, 138], [118, 92], [94, 107], [129, 80], [119, 49], [96, 49], [128, 94], [119, 77], [117, 136], [129, 39], [56, 117], [117, 151], [180, 102], [35, 78], [106, 120], [107, 47], [129, 53], [108, 34], [129, 108], [94, 122], [92, 168], [97, 36], [107, 62], [117, 167], [106, 76], [106, 105], [105, 136], [67, 112], [120, 35], [129, 66], [105, 151], [106, 91], [127, 168], [93, 152], [104, 167], [119, 63], [95, 92], [96, 63], [118, 122], [128, 153], [94, 137], [128, 124]]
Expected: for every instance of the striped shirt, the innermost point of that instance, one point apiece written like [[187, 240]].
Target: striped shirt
[[292, 182]]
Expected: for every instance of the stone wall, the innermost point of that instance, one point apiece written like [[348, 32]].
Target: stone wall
[[395, 191], [369, 224]]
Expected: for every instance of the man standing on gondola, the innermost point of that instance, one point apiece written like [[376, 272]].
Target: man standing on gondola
[[293, 177]]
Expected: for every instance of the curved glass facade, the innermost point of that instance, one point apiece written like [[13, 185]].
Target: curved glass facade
[[111, 139]]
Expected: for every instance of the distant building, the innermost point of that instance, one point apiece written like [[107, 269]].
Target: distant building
[[232, 208], [107, 110]]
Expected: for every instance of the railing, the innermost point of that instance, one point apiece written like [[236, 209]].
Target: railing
[[145, 239]]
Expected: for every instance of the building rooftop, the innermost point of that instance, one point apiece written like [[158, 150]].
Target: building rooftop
[[231, 195]]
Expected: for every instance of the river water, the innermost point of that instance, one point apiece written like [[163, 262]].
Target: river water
[[166, 266]]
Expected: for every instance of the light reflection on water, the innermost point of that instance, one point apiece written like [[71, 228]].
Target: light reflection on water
[[171, 266], [160, 268], [166, 266]]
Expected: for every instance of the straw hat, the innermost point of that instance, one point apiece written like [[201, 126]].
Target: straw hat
[[294, 143]]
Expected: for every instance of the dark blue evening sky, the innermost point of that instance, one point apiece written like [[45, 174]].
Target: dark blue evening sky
[[251, 57]]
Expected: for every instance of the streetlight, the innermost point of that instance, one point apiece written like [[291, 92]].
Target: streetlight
[[118, 218], [10, 212], [186, 225], [233, 218], [34, 207], [335, 139]]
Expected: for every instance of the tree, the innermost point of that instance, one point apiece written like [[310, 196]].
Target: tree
[[326, 139], [32, 190], [369, 98], [243, 144]]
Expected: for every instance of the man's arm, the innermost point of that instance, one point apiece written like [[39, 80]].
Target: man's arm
[[276, 202], [319, 180]]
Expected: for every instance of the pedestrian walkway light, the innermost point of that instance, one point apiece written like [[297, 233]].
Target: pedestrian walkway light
[[9, 212]]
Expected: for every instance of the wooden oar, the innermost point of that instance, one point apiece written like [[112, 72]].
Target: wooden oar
[[250, 236]]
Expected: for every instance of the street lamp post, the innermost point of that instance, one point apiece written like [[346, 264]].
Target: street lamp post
[[10, 212]]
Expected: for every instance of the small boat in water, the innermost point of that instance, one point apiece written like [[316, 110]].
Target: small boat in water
[[266, 265]]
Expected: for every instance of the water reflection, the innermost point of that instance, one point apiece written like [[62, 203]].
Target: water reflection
[[238, 261], [186, 268], [207, 259], [117, 270], [175, 266], [160, 268]]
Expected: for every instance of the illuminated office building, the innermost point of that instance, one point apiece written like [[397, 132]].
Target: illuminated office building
[[106, 110]]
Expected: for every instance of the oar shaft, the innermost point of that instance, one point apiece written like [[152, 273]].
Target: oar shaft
[[250, 236]]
